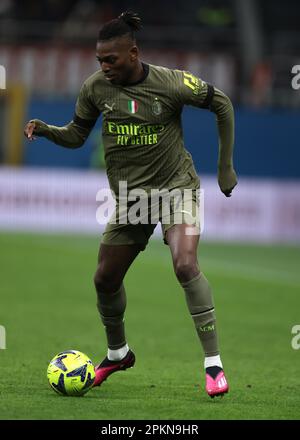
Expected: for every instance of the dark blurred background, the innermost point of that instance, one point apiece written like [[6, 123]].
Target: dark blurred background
[[247, 48], [253, 40]]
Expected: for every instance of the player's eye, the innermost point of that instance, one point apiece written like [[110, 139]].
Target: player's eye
[[110, 60]]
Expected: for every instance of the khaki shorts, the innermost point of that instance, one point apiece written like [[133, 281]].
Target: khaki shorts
[[184, 210]]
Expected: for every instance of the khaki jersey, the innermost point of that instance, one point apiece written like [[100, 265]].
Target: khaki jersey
[[142, 128]]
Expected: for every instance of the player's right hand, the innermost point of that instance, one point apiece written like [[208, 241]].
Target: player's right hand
[[29, 130]]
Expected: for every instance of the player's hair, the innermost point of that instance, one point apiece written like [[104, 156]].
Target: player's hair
[[127, 23]]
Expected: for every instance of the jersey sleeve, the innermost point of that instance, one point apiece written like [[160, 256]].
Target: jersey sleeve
[[85, 108], [191, 90]]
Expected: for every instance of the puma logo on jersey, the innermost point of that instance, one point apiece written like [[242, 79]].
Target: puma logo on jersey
[[109, 107]]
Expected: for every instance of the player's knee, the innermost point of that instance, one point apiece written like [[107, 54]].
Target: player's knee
[[106, 282], [186, 269]]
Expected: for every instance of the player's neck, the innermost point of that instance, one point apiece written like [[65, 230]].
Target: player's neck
[[137, 74]]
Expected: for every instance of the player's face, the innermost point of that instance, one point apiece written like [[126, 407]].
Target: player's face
[[117, 59]]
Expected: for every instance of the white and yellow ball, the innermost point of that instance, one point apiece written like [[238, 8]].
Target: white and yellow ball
[[71, 373]]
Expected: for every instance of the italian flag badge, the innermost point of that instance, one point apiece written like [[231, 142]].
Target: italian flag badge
[[132, 106]]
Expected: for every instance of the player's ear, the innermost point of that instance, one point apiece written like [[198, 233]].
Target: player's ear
[[134, 53]]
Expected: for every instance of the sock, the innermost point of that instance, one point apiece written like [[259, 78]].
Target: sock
[[117, 355], [111, 308], [200, 304], [213, 361]]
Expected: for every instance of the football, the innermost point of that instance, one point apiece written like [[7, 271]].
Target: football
[[71, 373]]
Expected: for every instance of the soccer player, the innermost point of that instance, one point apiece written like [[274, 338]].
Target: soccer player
[[141, 106]]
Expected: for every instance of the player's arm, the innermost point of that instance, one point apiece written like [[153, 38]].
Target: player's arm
[[74, 134], [223, 109], [194, 91]]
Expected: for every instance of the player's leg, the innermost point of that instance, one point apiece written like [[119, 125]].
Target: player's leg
[[113, 263], [183, 245]]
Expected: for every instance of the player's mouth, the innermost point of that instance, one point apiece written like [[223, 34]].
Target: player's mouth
[[110, 76]]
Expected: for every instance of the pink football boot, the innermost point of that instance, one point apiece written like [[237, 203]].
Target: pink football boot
[[216, 383], [107, 367]]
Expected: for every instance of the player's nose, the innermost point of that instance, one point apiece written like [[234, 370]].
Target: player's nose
[[105, 67]]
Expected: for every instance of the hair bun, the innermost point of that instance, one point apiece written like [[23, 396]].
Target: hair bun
[[132, 20]]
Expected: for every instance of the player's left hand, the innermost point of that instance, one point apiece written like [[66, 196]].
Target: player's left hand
[[227, 180]]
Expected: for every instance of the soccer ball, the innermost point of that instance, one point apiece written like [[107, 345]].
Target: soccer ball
[[71, 373]]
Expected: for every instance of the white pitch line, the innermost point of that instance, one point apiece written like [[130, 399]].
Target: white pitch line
[[251, 272], [239, 269]]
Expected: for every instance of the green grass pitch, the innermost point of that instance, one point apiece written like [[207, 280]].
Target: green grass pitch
[[48, 305]]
